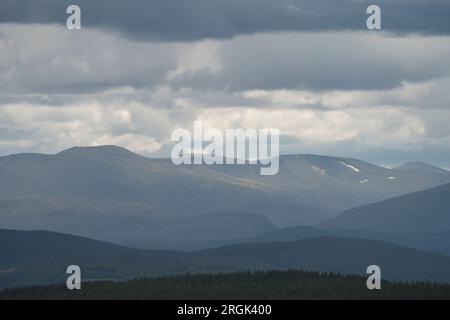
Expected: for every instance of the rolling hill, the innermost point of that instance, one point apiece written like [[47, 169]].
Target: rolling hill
[[426, 211], [438, 242], [34, 258]]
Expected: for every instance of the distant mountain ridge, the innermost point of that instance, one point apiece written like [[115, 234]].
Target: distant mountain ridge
[[438, 242], [419, 165], [111, 194], [423, 211]]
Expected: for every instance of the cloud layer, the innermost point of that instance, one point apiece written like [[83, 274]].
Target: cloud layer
[[190, 20], [308, 69]]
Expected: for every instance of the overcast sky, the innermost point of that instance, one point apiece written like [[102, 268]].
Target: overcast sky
[[139, 69]]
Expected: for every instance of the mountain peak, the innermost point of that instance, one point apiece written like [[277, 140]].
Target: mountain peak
[[105, 150], [419, 165]]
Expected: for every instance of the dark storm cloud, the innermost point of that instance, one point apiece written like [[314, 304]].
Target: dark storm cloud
[[197, 19]]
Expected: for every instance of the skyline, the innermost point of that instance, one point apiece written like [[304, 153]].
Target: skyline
[[309, 69], [194, 154]]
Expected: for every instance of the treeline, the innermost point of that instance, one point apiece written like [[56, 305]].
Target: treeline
[[247, 285]]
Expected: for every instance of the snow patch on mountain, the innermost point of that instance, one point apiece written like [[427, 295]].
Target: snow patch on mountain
[[350, 166], [319, 170]]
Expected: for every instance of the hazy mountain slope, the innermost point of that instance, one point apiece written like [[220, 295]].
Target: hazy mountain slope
[[341, 255], [20, 246], [42, 257], [116, 175], [130, 224], [438, 242], [189, 233], [418, 165], [340, 183], [35, 257], [112, 194], [289, 234], [424, 211], [109, 193]]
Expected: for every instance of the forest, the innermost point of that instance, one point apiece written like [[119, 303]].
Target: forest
[[269, 285]]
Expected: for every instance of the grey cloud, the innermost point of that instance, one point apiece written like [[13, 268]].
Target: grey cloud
[[346, 61], [65, 62], [198, 19], [94, 61]]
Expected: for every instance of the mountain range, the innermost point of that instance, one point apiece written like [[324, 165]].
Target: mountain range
[[111, 194], [120, 215]]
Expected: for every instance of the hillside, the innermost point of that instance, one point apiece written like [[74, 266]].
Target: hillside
[[424, 211], [418, 165], [438, 242], [328, 254], [34, 258], [111, 194], [285, 285], [37, 257]]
